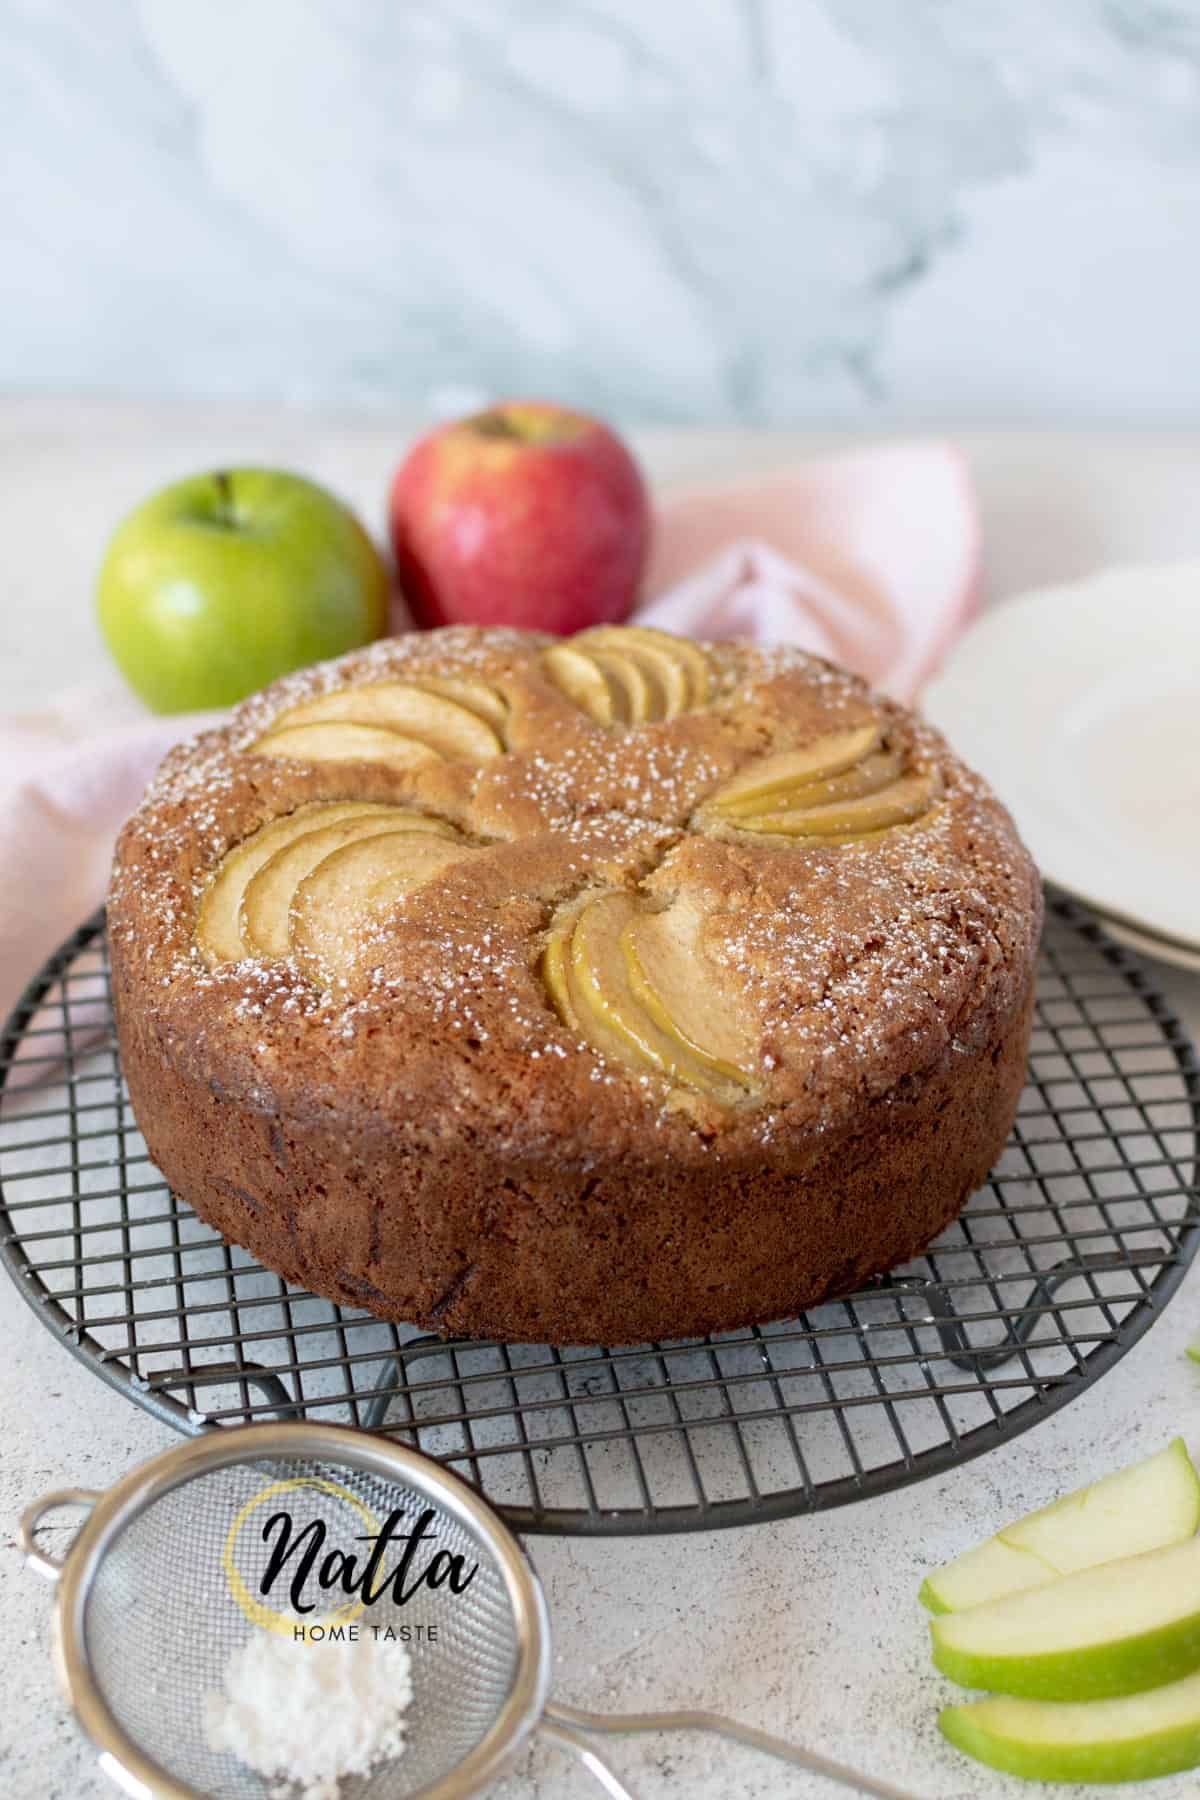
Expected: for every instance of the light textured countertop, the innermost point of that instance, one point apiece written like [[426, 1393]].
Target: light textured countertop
[[809, 1627]]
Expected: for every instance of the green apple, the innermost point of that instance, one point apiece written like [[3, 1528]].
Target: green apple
[[220, 583], [1152, 1504], [1116, 1629], [1132, 1739]]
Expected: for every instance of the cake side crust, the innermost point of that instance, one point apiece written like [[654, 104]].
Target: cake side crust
[[445, 1234]]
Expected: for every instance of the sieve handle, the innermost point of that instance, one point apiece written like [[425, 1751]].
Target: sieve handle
[[32, 1517], [582, 1751], [574, 1719]]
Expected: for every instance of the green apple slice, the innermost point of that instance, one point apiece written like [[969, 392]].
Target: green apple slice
[[218, 923], [364, 876], [434, 719], [679, 1004], [1134, 1738], [898, 804], [756, 788], [1145, 1507], [268, 894], [341, 741], [582, 681], [1157, 1501], [1114, 1629], [987, 1572]]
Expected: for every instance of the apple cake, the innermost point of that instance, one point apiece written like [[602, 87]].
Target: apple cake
[[593, 990]]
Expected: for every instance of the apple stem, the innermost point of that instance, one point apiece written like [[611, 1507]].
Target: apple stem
[[494, 425], [223, 482]]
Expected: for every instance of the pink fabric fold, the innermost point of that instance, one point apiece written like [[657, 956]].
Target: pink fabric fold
[[69, 775], [869, 558]]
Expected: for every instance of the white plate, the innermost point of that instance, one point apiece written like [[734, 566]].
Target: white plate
[[1081, 705], [1166, 950]]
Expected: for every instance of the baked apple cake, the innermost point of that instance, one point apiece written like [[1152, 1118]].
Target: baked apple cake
[[597, 990]]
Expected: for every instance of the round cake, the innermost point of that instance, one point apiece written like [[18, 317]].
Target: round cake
[[596, 990]]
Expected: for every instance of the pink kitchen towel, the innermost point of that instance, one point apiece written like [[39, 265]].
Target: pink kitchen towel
[[869, 558]]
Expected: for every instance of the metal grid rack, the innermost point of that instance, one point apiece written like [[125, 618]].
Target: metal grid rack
[[1056, 1267]]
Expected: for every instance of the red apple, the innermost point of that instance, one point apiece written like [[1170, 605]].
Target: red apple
[[526, 514]]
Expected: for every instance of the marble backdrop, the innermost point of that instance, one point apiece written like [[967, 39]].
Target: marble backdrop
[[750, 210]]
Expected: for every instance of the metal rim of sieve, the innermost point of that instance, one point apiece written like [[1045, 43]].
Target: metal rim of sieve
[[526, 1709], [112, 1511]]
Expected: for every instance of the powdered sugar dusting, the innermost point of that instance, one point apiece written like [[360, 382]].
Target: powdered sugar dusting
[[306, 1716], [849, 961]]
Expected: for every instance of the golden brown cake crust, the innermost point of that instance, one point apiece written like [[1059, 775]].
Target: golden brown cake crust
[[431, 1142]]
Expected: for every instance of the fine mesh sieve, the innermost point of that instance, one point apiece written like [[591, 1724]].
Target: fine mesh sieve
[[162, 1584]]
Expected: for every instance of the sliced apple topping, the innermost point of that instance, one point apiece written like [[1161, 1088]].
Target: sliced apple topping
[[349, 888], [629, 674], [765, 783], [246, 908], [268, 896], [477, 696], [638, 699], [679, 667], [218, 925], [338, 742], [403, 722], [662, 954], [556, 973], [847, 786], [846, 820], [584, 681], [625, 980]]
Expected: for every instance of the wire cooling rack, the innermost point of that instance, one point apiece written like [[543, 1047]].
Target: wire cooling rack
[[1055, 1268]]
